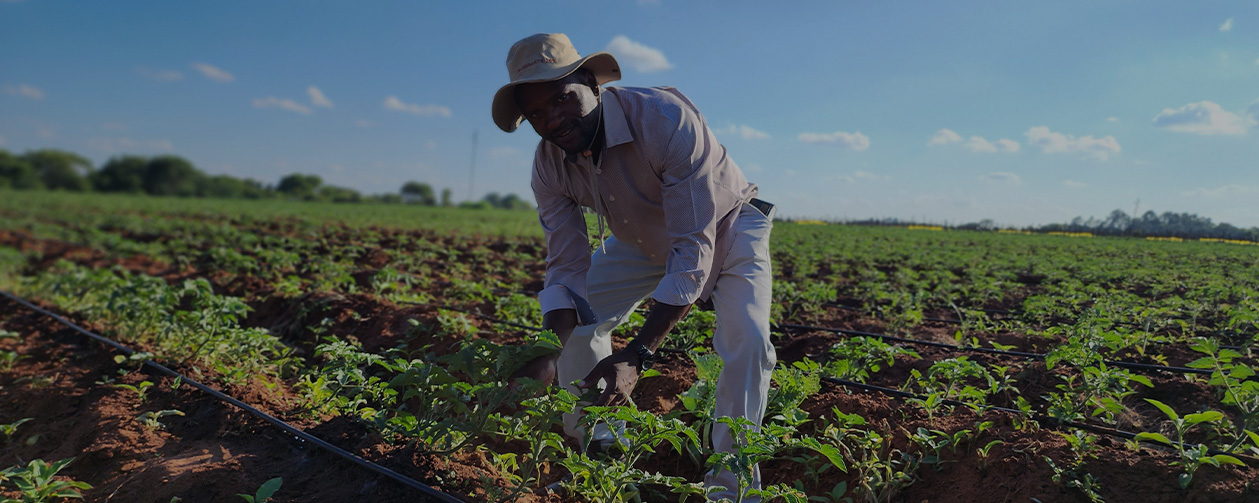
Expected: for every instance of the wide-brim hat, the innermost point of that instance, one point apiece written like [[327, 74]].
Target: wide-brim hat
[[543, 58]]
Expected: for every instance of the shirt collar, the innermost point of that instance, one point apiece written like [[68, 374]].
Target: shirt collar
[[615, 125]]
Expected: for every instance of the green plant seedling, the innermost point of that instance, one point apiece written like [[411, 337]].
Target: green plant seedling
[[264, 492], [135, 360], [10, 358], [11, 428], [152, 420], [36, 484], [141, 390], [1191, 457]]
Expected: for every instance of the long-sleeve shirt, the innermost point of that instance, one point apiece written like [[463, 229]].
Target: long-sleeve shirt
[[663, 183]]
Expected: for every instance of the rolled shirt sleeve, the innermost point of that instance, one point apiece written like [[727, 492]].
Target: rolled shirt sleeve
[[689, 197], [568, 250]]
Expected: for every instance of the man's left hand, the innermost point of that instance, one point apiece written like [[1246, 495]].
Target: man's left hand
[[620, 372]]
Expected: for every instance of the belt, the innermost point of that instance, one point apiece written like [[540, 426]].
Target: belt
[[765, 207]]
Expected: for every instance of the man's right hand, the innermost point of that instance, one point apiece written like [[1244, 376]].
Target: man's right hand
[[541, 369]]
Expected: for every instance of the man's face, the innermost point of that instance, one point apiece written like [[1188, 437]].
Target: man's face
[[561, 111]]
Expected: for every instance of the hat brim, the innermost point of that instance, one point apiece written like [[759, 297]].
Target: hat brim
[[507, 115]]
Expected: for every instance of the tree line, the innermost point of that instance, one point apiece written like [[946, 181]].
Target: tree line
[[172, 175], [1166, 224]]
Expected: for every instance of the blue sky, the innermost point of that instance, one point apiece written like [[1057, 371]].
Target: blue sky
[[1019, 112]]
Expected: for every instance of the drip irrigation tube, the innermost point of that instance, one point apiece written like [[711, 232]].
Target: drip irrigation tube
[[430, 492]]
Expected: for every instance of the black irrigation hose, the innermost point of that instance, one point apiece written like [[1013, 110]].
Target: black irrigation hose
[[434, 494], [952, 347]]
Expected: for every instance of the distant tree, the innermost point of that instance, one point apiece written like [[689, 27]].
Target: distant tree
[[446, 201], [171, 175], [339, 194], [418, 193], [493, 199], [121, 174], [299, 186], [60, 170], [387, 198], [513, 202], [224, 186], [17, 173]]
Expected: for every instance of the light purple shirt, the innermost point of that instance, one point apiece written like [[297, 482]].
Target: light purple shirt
[[664, 184]]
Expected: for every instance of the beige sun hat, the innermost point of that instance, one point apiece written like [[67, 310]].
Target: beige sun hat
[[542, 58]]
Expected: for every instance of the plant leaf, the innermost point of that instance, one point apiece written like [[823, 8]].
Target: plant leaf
[[1163, 407], [1158, 437]]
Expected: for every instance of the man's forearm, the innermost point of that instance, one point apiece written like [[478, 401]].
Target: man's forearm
[[562, 322], [660, 320]]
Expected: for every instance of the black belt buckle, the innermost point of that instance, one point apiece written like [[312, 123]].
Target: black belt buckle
[[765, 207]]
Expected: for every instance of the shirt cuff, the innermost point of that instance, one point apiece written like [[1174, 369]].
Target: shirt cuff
[[556, 297], [679, 289]]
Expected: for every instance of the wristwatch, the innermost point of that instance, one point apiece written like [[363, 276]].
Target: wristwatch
[[645, 357]]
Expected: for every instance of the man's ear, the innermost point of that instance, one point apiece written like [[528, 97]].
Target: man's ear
[[591, 81]]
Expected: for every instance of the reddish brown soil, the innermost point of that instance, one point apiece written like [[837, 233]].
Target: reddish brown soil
[[216, 451]]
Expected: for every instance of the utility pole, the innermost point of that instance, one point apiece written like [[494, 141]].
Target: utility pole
[[472, 166]]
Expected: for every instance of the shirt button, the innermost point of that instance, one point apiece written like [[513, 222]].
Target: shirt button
[[640, 241], [598, 171], [611, 198], [625, 221]]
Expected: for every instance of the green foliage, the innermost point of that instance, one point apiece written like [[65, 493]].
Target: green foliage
[[153, 419], [857, 358], [265, 491], [36, 482], [1191, 457], [1237, 388]]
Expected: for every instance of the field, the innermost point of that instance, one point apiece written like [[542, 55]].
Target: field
[[915, 364]]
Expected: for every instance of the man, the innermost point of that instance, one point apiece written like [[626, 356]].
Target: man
[[685, 227]]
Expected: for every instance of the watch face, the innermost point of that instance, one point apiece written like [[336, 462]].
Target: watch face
[[645, 358]]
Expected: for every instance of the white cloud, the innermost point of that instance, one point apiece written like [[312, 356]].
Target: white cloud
[[978, 144], [1223, 191], [974, 144], [1227, 26], [1007, 145], [1203, 117], [745, 132], [944, 137], [213, 72], [640, 57], [287, 104], [317, 98], [393, 103], [1075, 184], [111, 145], [160, 75], [28, 91], [853, 141], [1002, 177], [1057, 143]]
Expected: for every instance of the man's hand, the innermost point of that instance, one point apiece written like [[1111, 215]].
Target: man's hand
[[620, 372], [541, 369]]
